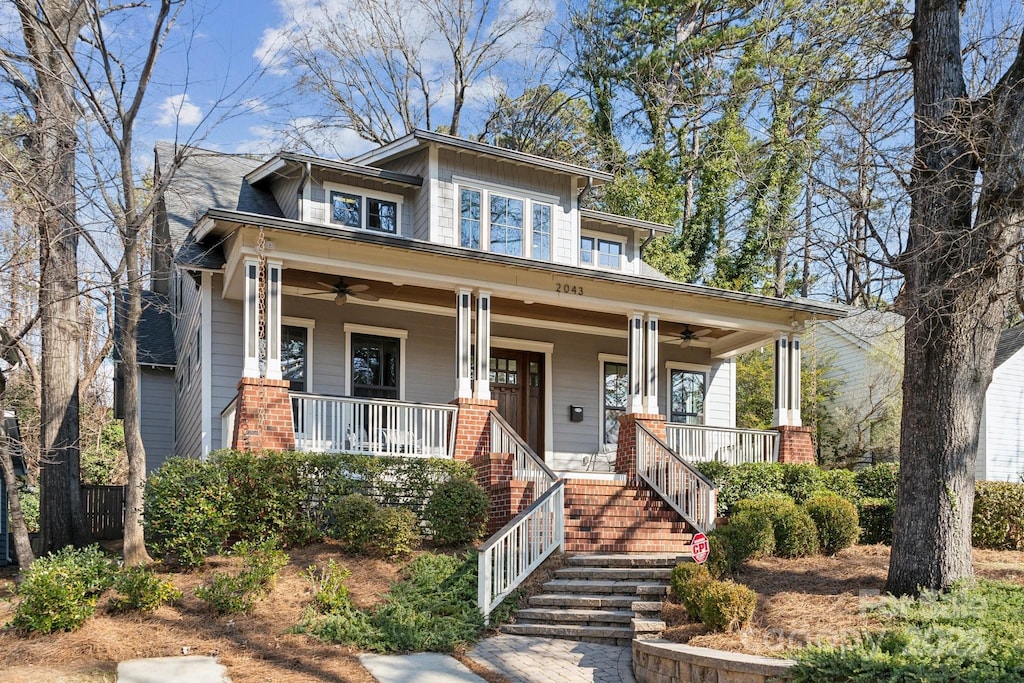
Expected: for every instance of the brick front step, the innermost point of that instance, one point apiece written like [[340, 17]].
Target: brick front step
[[668, 560]]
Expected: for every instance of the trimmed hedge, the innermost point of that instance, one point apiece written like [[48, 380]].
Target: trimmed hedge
[[719, 605], [836, 520], [876, 519], [797, 481], [457, 512], [998, 516]]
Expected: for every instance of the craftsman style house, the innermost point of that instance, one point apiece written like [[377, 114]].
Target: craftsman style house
[[443, 297]]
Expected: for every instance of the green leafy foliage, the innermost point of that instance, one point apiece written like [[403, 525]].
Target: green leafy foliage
[[876, 516], [750, 480], [795, 534], [836, 520], [841, 482], [104, 461], [971, 634], [686, 584], [998, 521], [29, 509], [457, 512], [749, 533], [138, 588], [330, 594], [239, 593], [755, 400], [396, 534], [60, 590], [433, 608], [727, 606], [189, 508], [878, 481], [355, 522]]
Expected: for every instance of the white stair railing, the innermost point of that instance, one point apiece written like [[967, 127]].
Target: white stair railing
[[334, 424], [699, 443], [510, 556], [689, 492]]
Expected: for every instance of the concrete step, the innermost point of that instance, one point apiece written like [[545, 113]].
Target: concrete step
[[669, 560], [615, 573], [582, 600], [620, 635], [581, 617], [606, 586], [646, 606]]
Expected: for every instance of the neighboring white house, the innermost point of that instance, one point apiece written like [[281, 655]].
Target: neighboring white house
[[865, 353]]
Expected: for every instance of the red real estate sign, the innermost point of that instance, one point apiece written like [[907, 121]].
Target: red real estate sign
[[700, 548]]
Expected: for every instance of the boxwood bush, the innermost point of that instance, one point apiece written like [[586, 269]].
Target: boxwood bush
[[457, 512], [998, 516], [876, 517], [720, 605], [836, 521]]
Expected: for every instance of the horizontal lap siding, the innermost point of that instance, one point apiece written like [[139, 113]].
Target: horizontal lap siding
[[1003, 450], [226, 356], [188, 403], [156, 415]]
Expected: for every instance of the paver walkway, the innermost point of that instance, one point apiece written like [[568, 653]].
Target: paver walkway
[[526, 659]]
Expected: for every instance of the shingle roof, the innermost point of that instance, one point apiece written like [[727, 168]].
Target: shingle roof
[[1010, 342], [156, 332], [210, 180], [207, 255]]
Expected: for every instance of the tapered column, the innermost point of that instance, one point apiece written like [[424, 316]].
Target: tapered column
[[464, 343], [781, 415], [483, 346], [635, 400], [251, 319], [651, 366], [794, 381], [272, 325]]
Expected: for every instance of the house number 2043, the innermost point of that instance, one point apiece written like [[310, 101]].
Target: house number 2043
[[566, 288]]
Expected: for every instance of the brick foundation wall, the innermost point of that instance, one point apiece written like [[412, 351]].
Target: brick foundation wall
[[625, 455], [263, 416], [796, 445], [473, 428]]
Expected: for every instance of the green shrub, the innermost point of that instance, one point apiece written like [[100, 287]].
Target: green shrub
[[800, 482], [688, 579], [60, 590], [238, 594], [878, 481], [29, 509], [998, 521], [836, 520], [748, 481], [140, 589], [718, 562], [330, 594], [457, 512], [188, 510], [876, 519], [717, 472], [795, 534], [841, 482], [770, 504], [355, 521], [726, 606], [396, 533], [749, 533]]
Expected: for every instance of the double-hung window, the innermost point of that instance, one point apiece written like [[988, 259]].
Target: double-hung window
[[502, 222], [354, 208], [603, 253]]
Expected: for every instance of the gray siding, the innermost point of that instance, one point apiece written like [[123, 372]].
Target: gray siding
[[419, 205], [156, 415], [226, 356], [188, 374], [1003, 450], [286, 192]]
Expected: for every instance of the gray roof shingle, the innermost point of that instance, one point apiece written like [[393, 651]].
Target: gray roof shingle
[[1010, 342], [156, 332]]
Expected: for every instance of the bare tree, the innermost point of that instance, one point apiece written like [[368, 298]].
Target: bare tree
[[386, 67], [967, 210]]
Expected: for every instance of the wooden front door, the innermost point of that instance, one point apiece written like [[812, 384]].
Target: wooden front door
[[517, 384]]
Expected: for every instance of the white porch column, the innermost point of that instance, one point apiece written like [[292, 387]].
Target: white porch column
[[651, 366], [272, 327], [781, 416], [794, 382], [251, 319], [464, 343], [483, 346], [636, 364]]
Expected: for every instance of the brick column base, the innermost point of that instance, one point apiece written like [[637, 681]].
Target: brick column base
[[508, 496], [796, 445], [263, 416], [625, 454], [473, 428]]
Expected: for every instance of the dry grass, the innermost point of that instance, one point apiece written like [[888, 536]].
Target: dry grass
[[818, 599], [254, 647]]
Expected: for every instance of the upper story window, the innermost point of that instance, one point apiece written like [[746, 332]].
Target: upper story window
[[603, 253], [360, 209], [502, 222]]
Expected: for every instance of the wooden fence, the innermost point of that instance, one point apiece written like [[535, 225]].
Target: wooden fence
[[104, 511]]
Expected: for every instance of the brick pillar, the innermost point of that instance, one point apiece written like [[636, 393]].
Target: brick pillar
[[263, 415], [796, 444], [473, 428], [625, 454]]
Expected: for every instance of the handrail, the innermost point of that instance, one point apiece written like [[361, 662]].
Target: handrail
[[372, 425], [702, 443], [685, 489], [526, 465], [510, 556]]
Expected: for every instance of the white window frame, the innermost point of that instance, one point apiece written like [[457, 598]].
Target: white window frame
[[599, 237], [603, 358], [689, 367], [401, 335], [310, 325], [364, 213], [486, 189]]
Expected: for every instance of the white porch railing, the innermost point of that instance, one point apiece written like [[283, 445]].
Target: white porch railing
[[699, 443], [526, 465], [509, 556], [334, 424], [688, 491]]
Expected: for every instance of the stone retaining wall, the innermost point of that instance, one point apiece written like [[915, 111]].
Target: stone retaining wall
[[661, 661]]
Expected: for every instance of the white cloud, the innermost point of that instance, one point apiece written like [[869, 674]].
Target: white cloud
[[304, 133], [178, 110]]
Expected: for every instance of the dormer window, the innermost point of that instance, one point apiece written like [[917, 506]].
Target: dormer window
[[600, 253], [355, 208], [505, 222]]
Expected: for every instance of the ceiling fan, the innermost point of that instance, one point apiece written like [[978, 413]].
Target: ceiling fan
[[688, 336], [342, 291]]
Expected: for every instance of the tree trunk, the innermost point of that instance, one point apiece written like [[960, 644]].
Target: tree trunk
[[957, 282], [22, 546]]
